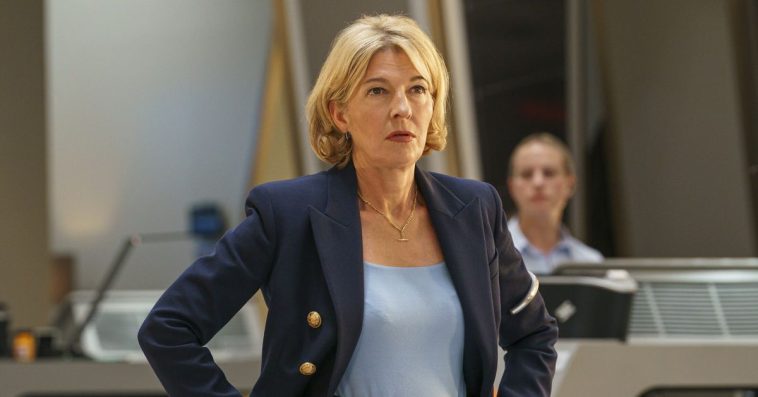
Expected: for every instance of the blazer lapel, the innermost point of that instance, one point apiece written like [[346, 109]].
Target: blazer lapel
[[337, 233], [459, 227]]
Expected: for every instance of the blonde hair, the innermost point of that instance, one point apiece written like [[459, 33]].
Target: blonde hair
[[346, 65], [547, 139]]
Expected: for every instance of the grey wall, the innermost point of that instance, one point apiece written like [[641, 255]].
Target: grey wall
[[24, 255], [681, 172], [153, 107]]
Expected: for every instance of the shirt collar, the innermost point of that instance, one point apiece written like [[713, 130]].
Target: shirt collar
[[522, 243]]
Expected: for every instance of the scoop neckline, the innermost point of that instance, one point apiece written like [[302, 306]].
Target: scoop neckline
[[433, 265]]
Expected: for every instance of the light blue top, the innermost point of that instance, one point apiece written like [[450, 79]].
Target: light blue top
[[411, 343], [568, 249]]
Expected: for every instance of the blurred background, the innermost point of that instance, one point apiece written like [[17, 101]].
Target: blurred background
[[122, 118]]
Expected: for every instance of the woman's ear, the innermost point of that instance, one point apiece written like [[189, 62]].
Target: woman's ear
[[338, 116]]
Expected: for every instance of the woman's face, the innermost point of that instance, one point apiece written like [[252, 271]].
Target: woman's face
[[389, 113], [540, 184]]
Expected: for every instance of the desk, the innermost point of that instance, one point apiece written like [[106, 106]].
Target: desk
[[611, 368], [78, 377], [586, 369]]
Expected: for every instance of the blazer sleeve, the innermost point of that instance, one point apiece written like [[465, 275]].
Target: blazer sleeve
[[527, 337], [203, 299]]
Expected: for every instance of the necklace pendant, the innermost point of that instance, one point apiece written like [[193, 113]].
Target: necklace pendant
[[403, 240]]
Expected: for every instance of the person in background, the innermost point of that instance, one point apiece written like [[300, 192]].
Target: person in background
[[381, 279], [541, 180]]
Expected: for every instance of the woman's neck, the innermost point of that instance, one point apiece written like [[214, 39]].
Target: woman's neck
[[389, 190], [542, 233]]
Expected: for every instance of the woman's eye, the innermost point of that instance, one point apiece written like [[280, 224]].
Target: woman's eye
[[375, 91], [418, 89], [526, 174]]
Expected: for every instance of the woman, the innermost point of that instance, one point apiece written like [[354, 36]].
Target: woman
[[541, 180], [381, 279]]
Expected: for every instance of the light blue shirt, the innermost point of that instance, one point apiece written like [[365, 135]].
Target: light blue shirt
[[568, 249], [411, 343]]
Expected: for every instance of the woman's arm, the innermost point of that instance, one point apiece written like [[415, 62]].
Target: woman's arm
[[203, 299], [527, 336]]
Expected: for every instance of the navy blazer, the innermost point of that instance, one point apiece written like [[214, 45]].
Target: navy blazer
[[301, 245]]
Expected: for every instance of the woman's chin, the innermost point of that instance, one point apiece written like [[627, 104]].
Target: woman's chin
[[535, 214], [390, 160]]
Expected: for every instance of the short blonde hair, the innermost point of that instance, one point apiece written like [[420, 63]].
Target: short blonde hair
[[547, 139], [346, 65]]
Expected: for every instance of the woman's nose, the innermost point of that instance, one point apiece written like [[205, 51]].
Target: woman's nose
[[401, 108], [538, 178]]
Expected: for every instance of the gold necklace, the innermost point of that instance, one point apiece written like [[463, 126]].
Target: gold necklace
[[400, 229]]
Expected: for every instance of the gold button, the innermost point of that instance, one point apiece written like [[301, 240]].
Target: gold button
[[307, 368], [314, 319]]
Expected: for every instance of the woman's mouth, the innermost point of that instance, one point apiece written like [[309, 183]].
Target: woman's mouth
[[401, 136]]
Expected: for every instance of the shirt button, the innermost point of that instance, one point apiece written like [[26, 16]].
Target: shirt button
[[307, 368], [314, 319]]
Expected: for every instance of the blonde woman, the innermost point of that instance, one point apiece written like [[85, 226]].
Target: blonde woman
[[381, 279], [541, 180]]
